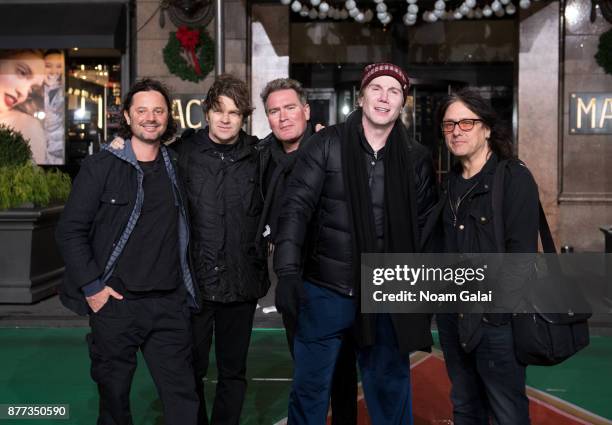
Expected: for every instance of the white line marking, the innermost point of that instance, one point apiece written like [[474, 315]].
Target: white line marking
[[567, 403]]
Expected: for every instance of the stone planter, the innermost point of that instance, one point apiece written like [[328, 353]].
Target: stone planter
[[31, 267]]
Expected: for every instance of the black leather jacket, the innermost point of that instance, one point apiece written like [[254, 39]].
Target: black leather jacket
[[225, 202]]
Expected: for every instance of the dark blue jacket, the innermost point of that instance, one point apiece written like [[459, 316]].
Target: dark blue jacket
[[99, 216]]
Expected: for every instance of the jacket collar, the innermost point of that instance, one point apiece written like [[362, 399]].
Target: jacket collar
[[276, 147], [245, 145], [485, 180], [126, 153]]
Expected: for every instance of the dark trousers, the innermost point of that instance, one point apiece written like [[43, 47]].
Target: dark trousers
[[324, 317], [160, 328], [344, 382], [231, 324], [488, 381]]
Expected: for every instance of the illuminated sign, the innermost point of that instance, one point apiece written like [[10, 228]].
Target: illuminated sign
[[187, 111], [590, 113]]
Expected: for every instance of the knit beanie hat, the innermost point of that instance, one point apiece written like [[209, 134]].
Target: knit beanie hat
[[379, 69]]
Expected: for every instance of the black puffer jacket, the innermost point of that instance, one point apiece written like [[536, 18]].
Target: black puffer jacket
[[225, 202], [315, 195]]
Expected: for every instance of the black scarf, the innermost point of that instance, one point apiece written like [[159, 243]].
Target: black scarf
[[400, 206], [400, 232]]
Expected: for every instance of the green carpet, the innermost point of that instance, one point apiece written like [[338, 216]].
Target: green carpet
[[51, 366]]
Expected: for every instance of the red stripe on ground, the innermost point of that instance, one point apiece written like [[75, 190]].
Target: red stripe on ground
[[431, 400]]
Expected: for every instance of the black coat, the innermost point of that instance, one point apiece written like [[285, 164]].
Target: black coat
[[475, 230], [225, 201], [96, 218], [277, 165], [315, 216]]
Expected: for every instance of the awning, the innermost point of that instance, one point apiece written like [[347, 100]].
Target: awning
[[62, 25]]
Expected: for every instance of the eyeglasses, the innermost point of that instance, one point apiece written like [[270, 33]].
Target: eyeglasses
[[464, 125]]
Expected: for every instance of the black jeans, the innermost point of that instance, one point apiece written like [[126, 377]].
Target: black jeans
[[232, 324], [343, 398], [488, 381], [160, 328]]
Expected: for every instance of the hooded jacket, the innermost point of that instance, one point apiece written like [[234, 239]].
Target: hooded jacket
[[99, 217]]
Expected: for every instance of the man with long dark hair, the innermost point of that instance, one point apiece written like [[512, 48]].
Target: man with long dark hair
[[123, 236], [361, 186], [488, 382]]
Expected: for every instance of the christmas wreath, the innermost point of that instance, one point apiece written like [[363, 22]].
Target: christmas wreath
[[604, 52], [189, 54]]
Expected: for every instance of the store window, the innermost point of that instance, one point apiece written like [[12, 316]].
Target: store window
[[65, 102], [93, 102]]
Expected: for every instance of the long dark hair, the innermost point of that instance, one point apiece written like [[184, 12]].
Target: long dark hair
[[147, 84], [500, 139]]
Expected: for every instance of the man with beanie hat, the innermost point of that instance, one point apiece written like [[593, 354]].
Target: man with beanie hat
[[359, 186]]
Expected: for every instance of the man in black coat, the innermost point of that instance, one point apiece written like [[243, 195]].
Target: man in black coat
[[219, 166], [124, 236], [360, 186], [288, 114]]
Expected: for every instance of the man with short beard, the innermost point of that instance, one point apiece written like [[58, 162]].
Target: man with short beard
[[288, 114], [220, 168], [362, 186], [123, 236]]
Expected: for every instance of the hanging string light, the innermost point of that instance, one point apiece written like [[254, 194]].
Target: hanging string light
[[321, 9]]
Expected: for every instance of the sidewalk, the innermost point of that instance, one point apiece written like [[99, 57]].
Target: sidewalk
[[50, 313]]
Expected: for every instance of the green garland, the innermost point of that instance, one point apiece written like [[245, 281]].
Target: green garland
[[178, 66], [604, 52]]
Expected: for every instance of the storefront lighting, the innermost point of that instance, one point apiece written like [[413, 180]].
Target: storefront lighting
[[100, 112], [467, 9], [80, 113]]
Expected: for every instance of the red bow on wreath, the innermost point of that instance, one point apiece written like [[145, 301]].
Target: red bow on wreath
[[189, 40]]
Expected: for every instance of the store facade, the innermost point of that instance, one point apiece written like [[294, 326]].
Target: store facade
[[78, 54], [537, 67]]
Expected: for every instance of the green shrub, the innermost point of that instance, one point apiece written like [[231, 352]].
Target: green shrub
[[23, 183], [14, 149], [29, 185]]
